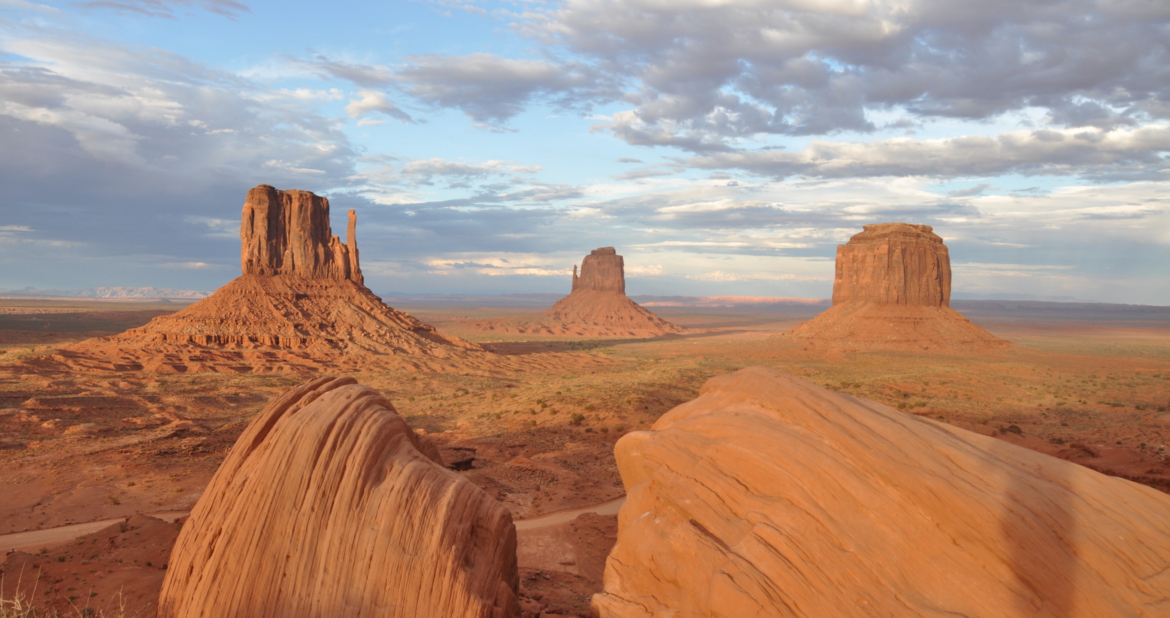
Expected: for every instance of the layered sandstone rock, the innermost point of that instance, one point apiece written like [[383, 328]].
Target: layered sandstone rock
[[299, 305], [893, 289], [597, 306], [288, 233], [328, 506], [769, 496], [603, 270]]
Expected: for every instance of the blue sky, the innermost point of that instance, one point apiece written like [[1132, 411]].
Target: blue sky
[[724, 147]]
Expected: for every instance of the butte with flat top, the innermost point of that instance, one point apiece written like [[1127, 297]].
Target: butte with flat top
[[893, 290]]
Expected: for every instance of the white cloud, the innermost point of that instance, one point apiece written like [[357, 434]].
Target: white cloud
[[372, 101]]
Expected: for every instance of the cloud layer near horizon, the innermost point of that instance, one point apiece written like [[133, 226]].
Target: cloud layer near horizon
[[744, 140]]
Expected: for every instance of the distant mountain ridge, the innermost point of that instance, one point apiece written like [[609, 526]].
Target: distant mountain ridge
[[112, 293]]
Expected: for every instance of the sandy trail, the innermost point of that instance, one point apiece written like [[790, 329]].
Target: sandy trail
[[35, 539]]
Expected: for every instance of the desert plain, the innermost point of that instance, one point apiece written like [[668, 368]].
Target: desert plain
[[87, 454]]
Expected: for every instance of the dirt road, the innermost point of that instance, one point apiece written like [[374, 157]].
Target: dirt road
[[33, 540]]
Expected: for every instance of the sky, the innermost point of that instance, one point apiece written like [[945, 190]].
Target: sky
[[724, 147]]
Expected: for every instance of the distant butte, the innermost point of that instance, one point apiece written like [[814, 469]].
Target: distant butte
[[597, 306], [300, 304], [893, 290]]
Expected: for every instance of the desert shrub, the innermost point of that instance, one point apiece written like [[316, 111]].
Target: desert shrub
[[590, 407], [619, 428], [576, 419], [605, 430], [1013, 429], [1056, 440]]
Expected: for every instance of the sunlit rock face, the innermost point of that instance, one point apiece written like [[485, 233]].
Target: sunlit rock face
[[769, 496], [288, 233], [894, 263], [330, 505], [603, 270], [893, 290]]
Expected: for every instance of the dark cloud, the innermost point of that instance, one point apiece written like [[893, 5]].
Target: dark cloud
[[491, 89], [706, 74]]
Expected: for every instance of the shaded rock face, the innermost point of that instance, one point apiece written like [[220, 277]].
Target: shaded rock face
[[893, 290], [328, 506], [597, 306], [894, 263], [603, 270], [768, 496], [288, 233]]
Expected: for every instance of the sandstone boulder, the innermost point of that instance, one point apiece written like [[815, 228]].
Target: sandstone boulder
[[768, 496], [892, 290], [597, 306], [327, 506]]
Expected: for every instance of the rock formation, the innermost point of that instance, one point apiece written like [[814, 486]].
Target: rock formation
[[288, 233], [893, 289], [597, 306], [328, 506], [768, 496], [299, 305]]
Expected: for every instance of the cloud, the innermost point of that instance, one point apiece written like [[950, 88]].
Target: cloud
[[703, 75], [492, 89], [1132, 153], [372, 101], [167, 8], [113, 146]]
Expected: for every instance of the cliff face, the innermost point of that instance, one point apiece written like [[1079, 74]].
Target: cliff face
[[603, 270], [769, 496], [894, 263], [329, 505], [288, 233]]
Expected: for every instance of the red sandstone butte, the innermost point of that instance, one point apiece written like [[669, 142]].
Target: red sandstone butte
[[288, 233], [771, 497], [893, 290], [329, 505], [597, 306], [300, 304]]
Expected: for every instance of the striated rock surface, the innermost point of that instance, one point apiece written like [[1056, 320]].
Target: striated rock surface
[[894, 263], [768, 496], [603, 270], [300, 305], [327, 506], [288, 233], [893, 290], [597, 306]]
